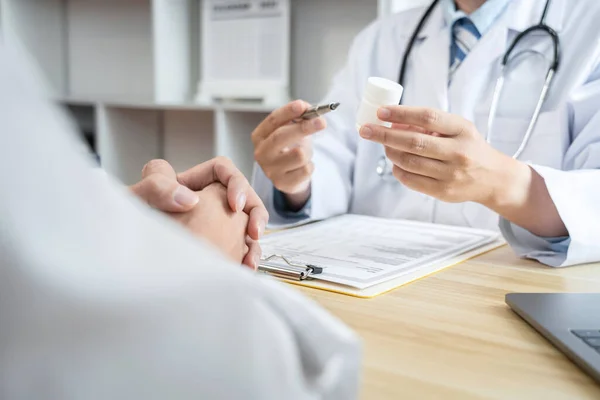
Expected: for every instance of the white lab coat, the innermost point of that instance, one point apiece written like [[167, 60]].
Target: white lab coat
[[564, 149], [103, 298]]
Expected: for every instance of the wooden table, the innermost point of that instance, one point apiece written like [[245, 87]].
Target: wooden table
[[451, 336]]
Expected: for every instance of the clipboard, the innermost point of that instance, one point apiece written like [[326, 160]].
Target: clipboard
[[288, 269], [310, 279], [313, 269]]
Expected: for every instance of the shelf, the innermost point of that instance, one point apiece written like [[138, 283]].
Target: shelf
[[150, 105], [38, 28], [72, 101], [233, 139], [137, 49], [127, 140], [241, 107], [188, 137], [156, 106], [128, 72], [84, 117]]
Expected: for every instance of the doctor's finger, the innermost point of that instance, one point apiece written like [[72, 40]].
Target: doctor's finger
[[416, 164], [405, 127], [419, 183], [278, 118], [427, 118], [291, 134], [421, 144]]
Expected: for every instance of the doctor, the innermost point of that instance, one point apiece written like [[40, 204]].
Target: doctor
[[446, 160]]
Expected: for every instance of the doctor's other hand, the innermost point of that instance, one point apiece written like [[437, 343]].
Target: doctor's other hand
[[444, 156], [283, 149], [167, 191]]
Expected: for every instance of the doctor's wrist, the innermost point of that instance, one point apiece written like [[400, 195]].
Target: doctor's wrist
[[511, 187], [297, 201]]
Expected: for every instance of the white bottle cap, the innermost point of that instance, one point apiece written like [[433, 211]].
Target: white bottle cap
[[378, 92], [383, 91]]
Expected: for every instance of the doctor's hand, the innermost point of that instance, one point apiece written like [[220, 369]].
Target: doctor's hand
[[283, 149], [444, 156]]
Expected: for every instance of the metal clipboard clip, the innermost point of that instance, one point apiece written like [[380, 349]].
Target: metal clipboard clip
[[292, 271]]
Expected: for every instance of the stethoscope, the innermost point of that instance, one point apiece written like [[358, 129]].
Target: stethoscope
[[384, 166]]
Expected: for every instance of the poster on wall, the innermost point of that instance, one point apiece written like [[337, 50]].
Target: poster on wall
[[245, 52], [388, 7]]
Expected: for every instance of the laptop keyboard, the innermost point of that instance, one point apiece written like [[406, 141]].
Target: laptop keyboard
[[590, 336]]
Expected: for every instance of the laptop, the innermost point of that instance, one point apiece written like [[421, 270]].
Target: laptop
[[570, 321]]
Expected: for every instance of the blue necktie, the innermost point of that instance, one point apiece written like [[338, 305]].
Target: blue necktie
[[464, 37]]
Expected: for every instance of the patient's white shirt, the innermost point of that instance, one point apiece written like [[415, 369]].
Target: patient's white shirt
[[104, 298]]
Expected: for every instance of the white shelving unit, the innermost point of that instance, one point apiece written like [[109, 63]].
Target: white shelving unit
[[130, 88]]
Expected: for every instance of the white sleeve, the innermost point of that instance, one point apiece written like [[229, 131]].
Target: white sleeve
[[103, 298], [575, 190], [335, 147]]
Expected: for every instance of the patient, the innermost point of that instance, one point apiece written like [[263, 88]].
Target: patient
[[104, 297]]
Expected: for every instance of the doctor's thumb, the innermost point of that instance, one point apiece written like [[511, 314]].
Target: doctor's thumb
[[165, 194]]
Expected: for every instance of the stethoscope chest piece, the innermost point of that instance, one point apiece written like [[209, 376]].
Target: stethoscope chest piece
[[385, 168], [381, 166]]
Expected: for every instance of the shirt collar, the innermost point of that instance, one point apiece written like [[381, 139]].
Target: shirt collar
[[483, 18], [519, 15]]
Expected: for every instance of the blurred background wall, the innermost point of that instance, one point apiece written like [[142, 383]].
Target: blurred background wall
[[134, 73]]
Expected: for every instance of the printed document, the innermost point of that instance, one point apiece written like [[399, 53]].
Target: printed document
[[362, 251]]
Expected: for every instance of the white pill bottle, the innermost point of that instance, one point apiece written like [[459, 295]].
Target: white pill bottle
[[379, 92]]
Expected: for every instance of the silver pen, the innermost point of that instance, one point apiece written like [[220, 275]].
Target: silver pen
[[317, 111]]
